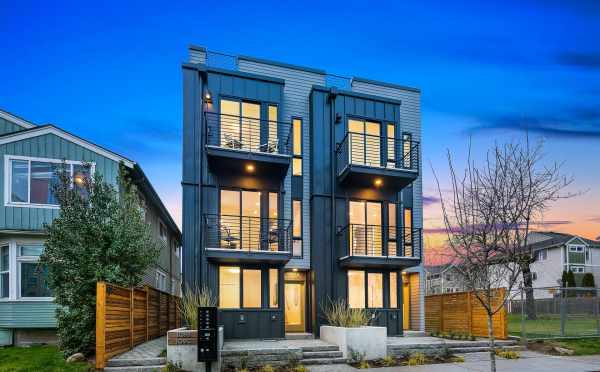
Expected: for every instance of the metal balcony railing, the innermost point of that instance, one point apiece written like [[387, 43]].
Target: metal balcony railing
[[376, 151], [246, 233], [248, 134], [380, 241]]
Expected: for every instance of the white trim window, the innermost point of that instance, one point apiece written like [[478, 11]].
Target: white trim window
[[29, 182], [577, 269], [161, 281], [541, 255], [162, 230], [4, 271], [33, 278]]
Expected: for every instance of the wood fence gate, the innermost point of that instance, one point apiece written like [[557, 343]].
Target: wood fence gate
[[126, 317], [461, 313]]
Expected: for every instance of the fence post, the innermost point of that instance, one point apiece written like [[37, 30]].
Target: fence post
[[131, 291], [523, 332], [596, 303], [442, 314], [147, 304], [100, 324], [563, 310]]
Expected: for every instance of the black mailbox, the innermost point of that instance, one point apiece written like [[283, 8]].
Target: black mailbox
[[207, 334]]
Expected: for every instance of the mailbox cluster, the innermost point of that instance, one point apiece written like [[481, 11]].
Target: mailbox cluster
[[207, 334]]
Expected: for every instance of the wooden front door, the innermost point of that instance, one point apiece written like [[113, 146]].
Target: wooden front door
[[295, 295]]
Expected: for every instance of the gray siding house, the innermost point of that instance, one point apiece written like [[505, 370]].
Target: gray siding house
[[29, 154], [300, 187]]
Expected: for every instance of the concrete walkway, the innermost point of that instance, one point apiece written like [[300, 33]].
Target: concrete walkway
[[272, 344], [480, 362], [147, 350]]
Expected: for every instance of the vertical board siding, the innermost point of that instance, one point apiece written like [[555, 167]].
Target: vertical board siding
[[462, 313], [9, 127], [126, 317], [296, 93], [52, 147]]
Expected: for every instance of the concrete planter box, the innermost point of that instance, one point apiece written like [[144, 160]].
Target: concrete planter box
[[370, 341], [182, 350]]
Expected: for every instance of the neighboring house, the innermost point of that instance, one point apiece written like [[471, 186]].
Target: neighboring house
[[443, 279], [300, 187], [31, 155]]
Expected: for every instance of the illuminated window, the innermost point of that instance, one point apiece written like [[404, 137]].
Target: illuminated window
[[240, 125], [252, 288], [356, 289], [392, 229], [391, 141], [408, 236], [375, 290], [297, 228], [273, 237], [273, 143], [406, 150], [273, 288], [393, 290], [297, 148], [364, 142], [229, 287], [235, 232]]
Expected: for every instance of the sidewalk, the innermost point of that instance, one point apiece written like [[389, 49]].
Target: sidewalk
[[480, 362]]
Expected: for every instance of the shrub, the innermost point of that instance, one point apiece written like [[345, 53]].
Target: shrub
[[267, 368], [458, 359], [508, 354], [100, 234], [442, 354], [191, 300], [356, 356], [388, 361], [416, 359], [292, 360], [339, 314], [299, 368], [364, 365]]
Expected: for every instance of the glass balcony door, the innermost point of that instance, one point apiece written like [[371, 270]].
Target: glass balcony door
[[365, 228], [240, 125], [365, 142], [240, 221]]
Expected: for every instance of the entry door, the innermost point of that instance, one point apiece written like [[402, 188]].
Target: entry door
[[365, 228], [295, 295], [405, 302]]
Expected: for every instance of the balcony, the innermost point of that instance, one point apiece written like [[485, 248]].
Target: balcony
[[247, 145], [367, 160], [376, 246], [244, 239]]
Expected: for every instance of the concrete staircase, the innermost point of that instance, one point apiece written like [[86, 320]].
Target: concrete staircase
[[320, 355], [455, 347], [135, 365]]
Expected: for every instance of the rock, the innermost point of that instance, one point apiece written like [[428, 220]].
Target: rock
[[563, 351], [77, 357]]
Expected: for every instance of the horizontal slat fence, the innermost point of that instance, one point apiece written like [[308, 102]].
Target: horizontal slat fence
[[461, 313], [127, 317]]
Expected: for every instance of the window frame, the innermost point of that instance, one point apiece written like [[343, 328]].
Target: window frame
[[297, 237], [8, 178], [385, 288], [264, 291], [163, 228], [7, 269], [294, 155], [19, 260], [163, 276]]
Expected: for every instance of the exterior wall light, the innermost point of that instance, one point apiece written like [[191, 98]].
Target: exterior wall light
[[207, 96], [250, 168], [378, 182]]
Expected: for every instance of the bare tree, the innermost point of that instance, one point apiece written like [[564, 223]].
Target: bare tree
[[488, 216]]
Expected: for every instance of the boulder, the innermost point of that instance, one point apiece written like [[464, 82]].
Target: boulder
[[77, 357], [563, 351]]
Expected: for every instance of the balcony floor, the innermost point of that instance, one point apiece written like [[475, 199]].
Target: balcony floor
[[379, 262], [237, 256]]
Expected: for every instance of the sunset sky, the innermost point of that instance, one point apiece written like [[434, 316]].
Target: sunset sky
[[111, 73]]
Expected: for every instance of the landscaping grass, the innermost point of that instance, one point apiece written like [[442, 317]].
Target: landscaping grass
[[37, 358], [549, 326], [582, 346]]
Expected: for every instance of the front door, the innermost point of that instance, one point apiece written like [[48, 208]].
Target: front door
[[405, 302], [295, 294]]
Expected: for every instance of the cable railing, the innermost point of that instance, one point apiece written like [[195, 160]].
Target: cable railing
[[376, 151], [250, 134], [380, 241], [246, 233]]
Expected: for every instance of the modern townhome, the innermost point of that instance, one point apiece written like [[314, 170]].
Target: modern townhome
[[31, 155], [300, 188]]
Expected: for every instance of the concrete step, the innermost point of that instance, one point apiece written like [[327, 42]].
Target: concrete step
[[155, 368], [321, 354], [450, 345], [308, 349], [135, 362], [322, 361], [299, 336]]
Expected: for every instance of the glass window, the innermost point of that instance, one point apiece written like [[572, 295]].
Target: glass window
[[406, 150], [297, 147], [162, 231], [4, 271], [252, 288], [250, 126], [230, 124], [375, 290], [20, 181], [273, 239], [408, 238], [273, 288], [365, 228], [356, 289], [273, 141], [392, 229], [34, 280], [81, 177], [297, 228], [44, 178], [393, 290], [31, 250], [391, 141], [229, 287], [365, 146]]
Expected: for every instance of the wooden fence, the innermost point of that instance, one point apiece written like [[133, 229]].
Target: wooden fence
[[126, 317], [461, 313]]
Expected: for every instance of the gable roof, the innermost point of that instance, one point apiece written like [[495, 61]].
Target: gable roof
[[16, 120], [552, 239], [437, 269], [141, 180]]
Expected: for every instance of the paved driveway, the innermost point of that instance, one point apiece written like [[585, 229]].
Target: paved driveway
[[480, 362]]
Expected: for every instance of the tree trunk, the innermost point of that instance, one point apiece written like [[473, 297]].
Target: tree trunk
[[492, 344], [527, 287]]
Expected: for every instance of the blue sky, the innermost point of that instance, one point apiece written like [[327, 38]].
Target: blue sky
[[111, 73]]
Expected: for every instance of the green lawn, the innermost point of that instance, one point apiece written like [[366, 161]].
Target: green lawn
[[582, 346], [36, 358], [549, 326]]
